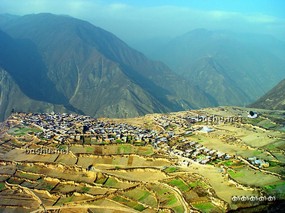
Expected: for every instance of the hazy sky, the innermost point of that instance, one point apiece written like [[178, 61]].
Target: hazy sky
[[134, 20]]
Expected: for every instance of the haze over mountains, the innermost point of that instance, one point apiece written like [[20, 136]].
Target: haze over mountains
[[59, 63], [53, 62], [234, 68], [274, 99]]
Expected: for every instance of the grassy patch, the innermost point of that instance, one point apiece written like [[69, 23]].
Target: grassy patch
[[201, 157], [124, 149], [235, 174], [85, 189], [171, 200], [45, 185], [197, 183], [21, 131], [216, 161], [142, 195], [180, 184], [64, 200], [129, 203], [170, 169], [256, 152], [100, 178], [145, 150], [277, 189], [204, 207], [267, 124], [228, 163], [111, 182], [15, 180], [29, 176], [118, 141], [89, 149], [139, 207], [2, 186], [178, 209], [166, 197], [62, 147]]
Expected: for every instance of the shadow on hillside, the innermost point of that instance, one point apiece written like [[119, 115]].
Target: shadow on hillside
[[21, 59]]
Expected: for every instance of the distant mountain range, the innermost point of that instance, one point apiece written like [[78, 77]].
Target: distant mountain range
[[234, 68], [59, 63], [274, 99]]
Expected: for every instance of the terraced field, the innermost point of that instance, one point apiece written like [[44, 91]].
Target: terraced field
[[133, 180], [45, 175]]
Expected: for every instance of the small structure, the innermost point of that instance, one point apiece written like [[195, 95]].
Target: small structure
[[90, 168], [252, 114], [206, 129]]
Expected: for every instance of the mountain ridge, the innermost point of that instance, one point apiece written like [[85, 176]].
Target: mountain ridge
[[249, 64], [274, 99], [99, 74]]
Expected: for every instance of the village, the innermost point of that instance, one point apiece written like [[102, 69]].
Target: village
[[72, 128], [176, 151]]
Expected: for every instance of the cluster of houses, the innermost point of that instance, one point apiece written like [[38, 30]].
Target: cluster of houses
[[167, 121], [198, 153], [62, 127], [258, 162]]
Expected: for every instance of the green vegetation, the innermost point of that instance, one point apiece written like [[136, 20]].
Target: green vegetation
[[142, 195], [256, 152], [124, 149], [235, 174], [62, 147], [21, 131], [89, 149], [216, 161], [145, 150], [2, 186], [166, 197], [170, 169], [277, 189], [228, 163], [100, 178], [171, 200], [253, 121], [204, 207], [27, 175], [197, 183], [15, 180], [178, 209], [85, 189], [111, 182], [267, 124], [180, 184], [45, 185], [133, 204], [64, 200]]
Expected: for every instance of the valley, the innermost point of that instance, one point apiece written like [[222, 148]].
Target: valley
[[206, 160]]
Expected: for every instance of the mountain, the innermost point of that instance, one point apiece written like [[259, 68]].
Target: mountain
[[66, 62], [24, 91], [234, 68], [274, 99]]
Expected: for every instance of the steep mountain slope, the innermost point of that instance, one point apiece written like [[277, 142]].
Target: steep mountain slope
[[214, 79], [234, 68], [88, 69], [22, 88], [12, 97], [274, 99]]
